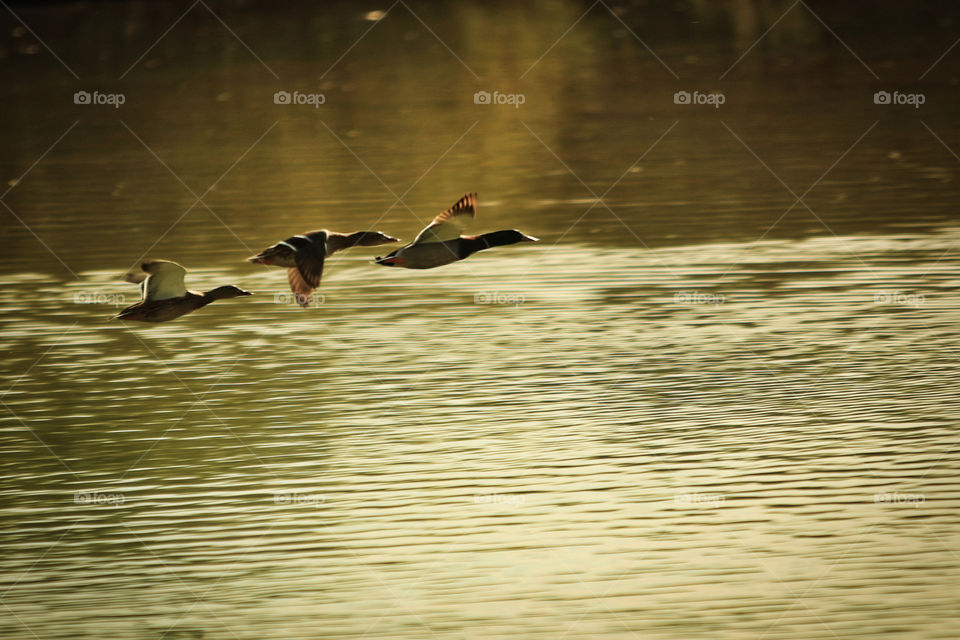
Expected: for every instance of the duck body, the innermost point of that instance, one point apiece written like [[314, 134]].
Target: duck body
[[424, 256], [165, 297], [440, 243], [303, 256], [171, 308], [436, 254], [283, 253]]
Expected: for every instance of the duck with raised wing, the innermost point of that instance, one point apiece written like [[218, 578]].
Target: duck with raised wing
[[164, 295], [303, 256], [441, 241]]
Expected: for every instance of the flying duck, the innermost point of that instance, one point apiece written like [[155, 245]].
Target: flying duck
[[164, 296], [440, 242], [303, 256]]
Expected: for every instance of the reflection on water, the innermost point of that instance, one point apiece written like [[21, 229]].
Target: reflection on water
[[576, 441], [724, 405]]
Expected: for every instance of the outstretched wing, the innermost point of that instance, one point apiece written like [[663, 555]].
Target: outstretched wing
[[139, 278], [165, 280], [305, 277], [451, 223]]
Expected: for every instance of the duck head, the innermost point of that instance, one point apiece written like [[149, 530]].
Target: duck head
[[226, 291], [371, 238], [510, 236]]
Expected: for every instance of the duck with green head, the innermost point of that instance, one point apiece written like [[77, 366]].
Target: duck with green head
[[441, 241]]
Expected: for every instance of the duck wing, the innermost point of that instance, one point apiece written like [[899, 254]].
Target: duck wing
[[139, 278], [164, 280], [282, 254], [451, 223], [309, 255]]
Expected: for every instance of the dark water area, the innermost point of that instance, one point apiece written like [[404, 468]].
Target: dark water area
[[594, 105], [718, 399]]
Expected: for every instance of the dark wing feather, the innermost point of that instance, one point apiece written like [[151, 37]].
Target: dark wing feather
[[465, 206], [305, 277], [451, 223]]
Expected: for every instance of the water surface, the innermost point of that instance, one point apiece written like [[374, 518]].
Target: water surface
[[698, 408]]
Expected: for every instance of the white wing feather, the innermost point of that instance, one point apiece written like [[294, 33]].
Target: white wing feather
[[165, 280]]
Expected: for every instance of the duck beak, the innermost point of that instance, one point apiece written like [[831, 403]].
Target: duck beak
[[259, 260], [527, 238], [389, 261]]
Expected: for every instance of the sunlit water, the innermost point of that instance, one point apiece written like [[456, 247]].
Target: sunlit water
[[707, 411], [534, 442]]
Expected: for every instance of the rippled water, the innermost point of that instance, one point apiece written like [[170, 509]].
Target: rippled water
[[621, 445], [688, 415]]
